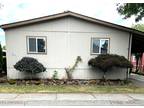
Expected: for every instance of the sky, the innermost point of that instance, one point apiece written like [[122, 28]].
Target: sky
[[18, 10]]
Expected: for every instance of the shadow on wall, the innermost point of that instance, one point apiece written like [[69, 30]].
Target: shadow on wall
[[115, 73]]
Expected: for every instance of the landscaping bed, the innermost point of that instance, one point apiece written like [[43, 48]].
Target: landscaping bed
[[5, 81], [67, 86], [64, 82]]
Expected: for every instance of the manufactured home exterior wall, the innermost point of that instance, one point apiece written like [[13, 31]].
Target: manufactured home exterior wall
[[67, 38]]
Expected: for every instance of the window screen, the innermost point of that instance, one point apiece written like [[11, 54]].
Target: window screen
[[99, 46], [32, 44], [41, 45], [96, 45], [36, 44]]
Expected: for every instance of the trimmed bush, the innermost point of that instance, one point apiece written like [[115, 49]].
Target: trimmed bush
[[106, 61], [30, 65], [4, 64]]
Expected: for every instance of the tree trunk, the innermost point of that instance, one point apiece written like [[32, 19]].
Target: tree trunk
[[69, 75]]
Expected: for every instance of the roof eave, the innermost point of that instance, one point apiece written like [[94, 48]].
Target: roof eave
[[32, 21], [69, 13], [109, 24]]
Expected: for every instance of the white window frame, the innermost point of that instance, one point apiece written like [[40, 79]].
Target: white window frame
[[36, 37], [92, 39]]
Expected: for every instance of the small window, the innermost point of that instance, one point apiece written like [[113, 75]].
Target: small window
[[36, 44], [99, 46]]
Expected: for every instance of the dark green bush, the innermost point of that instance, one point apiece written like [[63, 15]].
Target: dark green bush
[[30, 65], [4, 65], [106, 61]]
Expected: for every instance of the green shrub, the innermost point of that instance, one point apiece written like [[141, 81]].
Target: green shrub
[[29, 65], [106, 61], [55, 75], [4, 64]]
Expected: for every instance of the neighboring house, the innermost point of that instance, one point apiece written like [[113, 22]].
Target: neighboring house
[[57, 40]]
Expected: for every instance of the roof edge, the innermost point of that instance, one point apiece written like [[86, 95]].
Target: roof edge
[[33, 20], [70, 13]]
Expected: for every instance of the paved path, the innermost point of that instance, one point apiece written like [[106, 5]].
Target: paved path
[[138, 80], [71, 99], [137, 77]]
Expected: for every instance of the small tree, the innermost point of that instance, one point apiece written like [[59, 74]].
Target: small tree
[[139, 27], [29, 65], [1, 59], [71, 69], [106, 61], [131, 9]]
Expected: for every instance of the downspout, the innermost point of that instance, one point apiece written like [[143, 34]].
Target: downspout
[[129, 52], [129, 46]]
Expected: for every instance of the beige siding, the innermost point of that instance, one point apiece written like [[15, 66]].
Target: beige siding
[[67, 38]]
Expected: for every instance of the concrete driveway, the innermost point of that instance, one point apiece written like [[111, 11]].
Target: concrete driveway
[[71, 99], [137, 80]]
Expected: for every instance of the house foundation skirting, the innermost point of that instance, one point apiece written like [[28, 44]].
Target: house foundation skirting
[[115, 73]]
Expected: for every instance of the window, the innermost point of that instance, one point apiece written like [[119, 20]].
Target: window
[[99, 46], [36, 44]]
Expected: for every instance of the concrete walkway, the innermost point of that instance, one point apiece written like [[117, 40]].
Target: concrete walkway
[[137, 80], [70, 99], [137, 77]]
